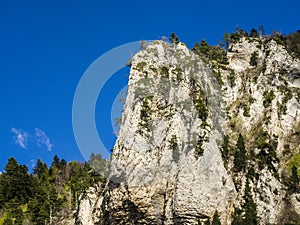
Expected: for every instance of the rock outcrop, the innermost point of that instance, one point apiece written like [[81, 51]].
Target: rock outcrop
[[89, 206], [196, 135]]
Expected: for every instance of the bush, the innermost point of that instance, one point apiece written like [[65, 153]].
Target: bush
[[200, 104], [231, 78], [218, 76], [267, 155], [254, 59], [199, 150], [211, 52], [268, 98], [234, 37]]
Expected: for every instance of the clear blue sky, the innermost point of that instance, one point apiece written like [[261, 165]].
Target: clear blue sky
[[46, 46]]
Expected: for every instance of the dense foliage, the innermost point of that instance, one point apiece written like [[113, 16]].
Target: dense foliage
[[45, 195]]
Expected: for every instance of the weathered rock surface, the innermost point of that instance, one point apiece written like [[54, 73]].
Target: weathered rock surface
[[169, 165], [89, 206]]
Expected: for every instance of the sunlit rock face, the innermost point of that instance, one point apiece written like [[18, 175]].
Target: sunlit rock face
[[171, 163]]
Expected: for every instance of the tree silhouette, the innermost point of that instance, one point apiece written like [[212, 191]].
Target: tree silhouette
[[174, 38], [253, 33], [216, 219], [240, 157]]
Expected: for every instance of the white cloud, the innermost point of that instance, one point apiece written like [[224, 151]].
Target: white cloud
[[20, 137], [42, 139]]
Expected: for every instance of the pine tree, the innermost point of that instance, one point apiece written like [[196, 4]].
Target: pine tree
[[240, 157], [80, 179], [225, 41], [204, 47], [225, 148], [249, 206], [254, 59], [207, 222], [55, 162], [14, 212], [16, 182], [174, 38], [41, 170], [98, 164], [237, 217], [254, 33], [294, 180], [216, 219]]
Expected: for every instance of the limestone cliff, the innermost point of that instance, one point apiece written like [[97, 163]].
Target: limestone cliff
[[199, 136]]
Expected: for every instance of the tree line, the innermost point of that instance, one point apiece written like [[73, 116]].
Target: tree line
[[49, 193]]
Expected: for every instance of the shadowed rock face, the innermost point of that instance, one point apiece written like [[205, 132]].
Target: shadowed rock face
[[168, 164]]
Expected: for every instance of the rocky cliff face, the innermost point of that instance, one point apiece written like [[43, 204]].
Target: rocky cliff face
[[198, 137], [89, 210], [167, 167]]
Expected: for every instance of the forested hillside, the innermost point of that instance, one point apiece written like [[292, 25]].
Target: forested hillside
[[49, 195]]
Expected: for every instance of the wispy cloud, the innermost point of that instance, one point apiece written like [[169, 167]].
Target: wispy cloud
[[42, 139], [20, 137]]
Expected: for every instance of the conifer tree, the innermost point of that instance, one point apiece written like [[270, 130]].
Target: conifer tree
[[41, 170], [254, 33], [207, 222], [294, 180], [16, 182], [240, 158], [249, 206], [174, 38], [237, 217], [216, 219]]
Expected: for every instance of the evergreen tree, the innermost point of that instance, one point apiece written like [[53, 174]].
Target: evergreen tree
[[41, 170], [174, 38], [249, 206], [196, 48], [80, 179], [98, 164], [241, 143], [216, 219], [225, 41], [254, 33], [294, 180], [204, 47], [44, 203], [62, 164], [254, 59], [225, 149], [207, 222], [14, 212], [240, 158], [16, 182], [55, 162], [40, 198], [237, 217]]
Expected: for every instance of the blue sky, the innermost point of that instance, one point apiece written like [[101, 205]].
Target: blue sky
[[46, 46]]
